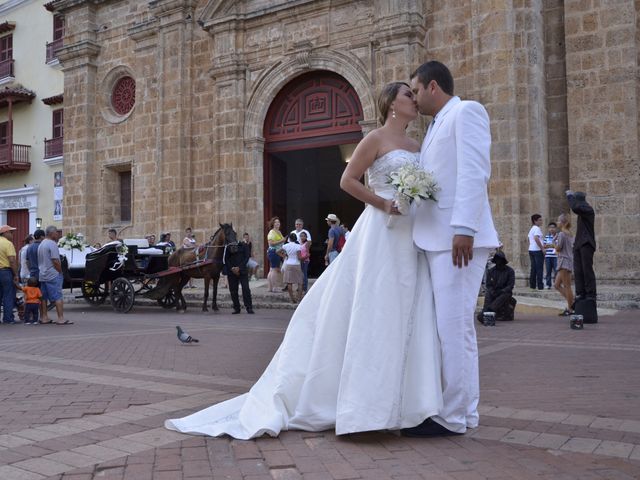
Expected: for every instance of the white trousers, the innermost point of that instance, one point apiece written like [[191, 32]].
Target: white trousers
[[456, 293]]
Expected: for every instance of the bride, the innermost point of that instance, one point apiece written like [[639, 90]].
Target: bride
[[361, 351]]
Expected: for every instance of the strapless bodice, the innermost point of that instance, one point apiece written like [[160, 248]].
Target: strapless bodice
[[391, 161]]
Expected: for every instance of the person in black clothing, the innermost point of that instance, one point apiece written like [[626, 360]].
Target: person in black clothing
[[235, 265], [498, 297], [584, 246]]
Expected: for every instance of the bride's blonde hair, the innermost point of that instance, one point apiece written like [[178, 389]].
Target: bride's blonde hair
[[387, 96]]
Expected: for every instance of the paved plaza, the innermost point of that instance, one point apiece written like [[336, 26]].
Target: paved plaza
[[88, 401]]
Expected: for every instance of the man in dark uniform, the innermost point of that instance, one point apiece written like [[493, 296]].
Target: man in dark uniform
[[584, 246], [498, 297], [235, 264]]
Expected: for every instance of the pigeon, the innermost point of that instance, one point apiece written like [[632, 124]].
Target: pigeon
[[184, 337]]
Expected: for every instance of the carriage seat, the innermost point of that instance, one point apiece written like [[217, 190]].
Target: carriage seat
[[138, 242], [151, 251]]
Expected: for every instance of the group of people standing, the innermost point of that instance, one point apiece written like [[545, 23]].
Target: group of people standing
[[291, 254], [563, 255], [37, 272]]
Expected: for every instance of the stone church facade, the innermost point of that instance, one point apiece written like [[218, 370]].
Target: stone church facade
[[559, 80]]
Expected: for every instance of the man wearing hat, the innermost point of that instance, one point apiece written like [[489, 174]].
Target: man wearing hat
[[584, 246], [498, 297], [335, 232], [8, 273]]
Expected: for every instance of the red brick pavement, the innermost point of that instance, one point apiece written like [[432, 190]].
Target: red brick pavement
[[88, 402]]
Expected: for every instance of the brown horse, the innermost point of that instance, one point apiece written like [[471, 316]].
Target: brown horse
[[212, 250]]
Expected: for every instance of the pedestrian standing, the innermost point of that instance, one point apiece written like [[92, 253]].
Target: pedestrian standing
[[235, 263], [300, 229], [8, 273], [333, 238], [305, 259], [50, 276], [584, 247], [564, 246], [24, 266], [293, 271], [536, 253], [189, 243], [32, 260], [550, 255]]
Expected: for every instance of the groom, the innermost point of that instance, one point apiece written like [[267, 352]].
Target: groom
[[456, 233]]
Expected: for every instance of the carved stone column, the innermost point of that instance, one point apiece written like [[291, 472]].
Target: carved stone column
[[78, 59]]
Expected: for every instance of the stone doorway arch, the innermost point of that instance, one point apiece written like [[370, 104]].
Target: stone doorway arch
[[312, 125]]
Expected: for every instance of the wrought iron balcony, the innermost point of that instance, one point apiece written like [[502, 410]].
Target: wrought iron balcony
[[52, 49], [14, 158], [6, 68], [53, 147]]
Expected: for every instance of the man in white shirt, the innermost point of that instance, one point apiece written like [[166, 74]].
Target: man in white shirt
[[299, 229], [536, 253]]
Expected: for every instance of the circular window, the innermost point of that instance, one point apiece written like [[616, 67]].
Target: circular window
[[123, 95]]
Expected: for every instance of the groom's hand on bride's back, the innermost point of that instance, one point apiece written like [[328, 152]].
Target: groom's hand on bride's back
[[462, 250]]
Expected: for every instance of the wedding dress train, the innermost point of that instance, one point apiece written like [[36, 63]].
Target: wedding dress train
[[361, 351]]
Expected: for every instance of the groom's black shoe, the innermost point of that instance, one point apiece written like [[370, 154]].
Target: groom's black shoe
[[428, 428]]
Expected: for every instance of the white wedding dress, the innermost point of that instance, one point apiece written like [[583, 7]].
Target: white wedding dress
[[361, 351]]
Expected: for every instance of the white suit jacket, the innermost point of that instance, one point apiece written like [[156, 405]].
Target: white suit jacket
[[457, 150]]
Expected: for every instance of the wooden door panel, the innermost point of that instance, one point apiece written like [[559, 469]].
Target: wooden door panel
[[20, 220]]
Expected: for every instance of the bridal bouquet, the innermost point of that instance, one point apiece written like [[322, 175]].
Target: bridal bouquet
[[71, 241], [412, 184]]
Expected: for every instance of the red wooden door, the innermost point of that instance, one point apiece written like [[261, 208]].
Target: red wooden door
[[19, 219]]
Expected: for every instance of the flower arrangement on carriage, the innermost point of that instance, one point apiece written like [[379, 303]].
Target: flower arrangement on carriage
[[72, 241]]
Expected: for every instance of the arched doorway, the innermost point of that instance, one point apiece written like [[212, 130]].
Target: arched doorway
[[310, 131]]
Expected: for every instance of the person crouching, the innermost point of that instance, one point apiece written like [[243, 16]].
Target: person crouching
[[498, 296]]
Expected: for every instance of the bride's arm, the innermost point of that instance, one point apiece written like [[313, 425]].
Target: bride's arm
[[362, 158]]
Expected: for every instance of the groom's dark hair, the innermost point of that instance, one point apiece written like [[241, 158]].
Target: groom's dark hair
[[437, 71]]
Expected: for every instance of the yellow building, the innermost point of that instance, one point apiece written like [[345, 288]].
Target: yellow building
[[31, 116]]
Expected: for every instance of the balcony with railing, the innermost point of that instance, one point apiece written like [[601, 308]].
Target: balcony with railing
[[52, 50], [53, 147], [6, 68], [14, 158]]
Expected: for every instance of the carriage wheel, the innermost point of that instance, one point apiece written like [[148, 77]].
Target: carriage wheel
[[122, 295], [93, 292], [169, 300]]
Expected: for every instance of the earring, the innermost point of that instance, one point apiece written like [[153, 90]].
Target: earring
[[393, 113]]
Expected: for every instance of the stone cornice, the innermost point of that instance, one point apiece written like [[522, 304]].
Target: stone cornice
[[88, 49], [66, 5], [230, 66], [162, 8], [143, 30], [221, 11]]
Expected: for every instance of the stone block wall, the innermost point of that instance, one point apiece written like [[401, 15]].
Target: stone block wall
[[557, 78], [603, 101]]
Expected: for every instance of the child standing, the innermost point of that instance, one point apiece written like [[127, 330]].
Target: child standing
[[32, 296], [550, 254]]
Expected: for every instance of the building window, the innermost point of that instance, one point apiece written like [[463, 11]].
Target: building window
[[58, 35], [58, 121], [123, 95], [125, 196], [53, 146], [4, 133], [58, 27], [6, 56]]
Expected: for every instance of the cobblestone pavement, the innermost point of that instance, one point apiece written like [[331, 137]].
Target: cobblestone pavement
[[87, 401]]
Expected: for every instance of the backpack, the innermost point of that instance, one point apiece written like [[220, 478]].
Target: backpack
[[341, 241]]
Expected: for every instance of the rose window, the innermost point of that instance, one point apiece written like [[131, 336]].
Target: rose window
[[123, 95]]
